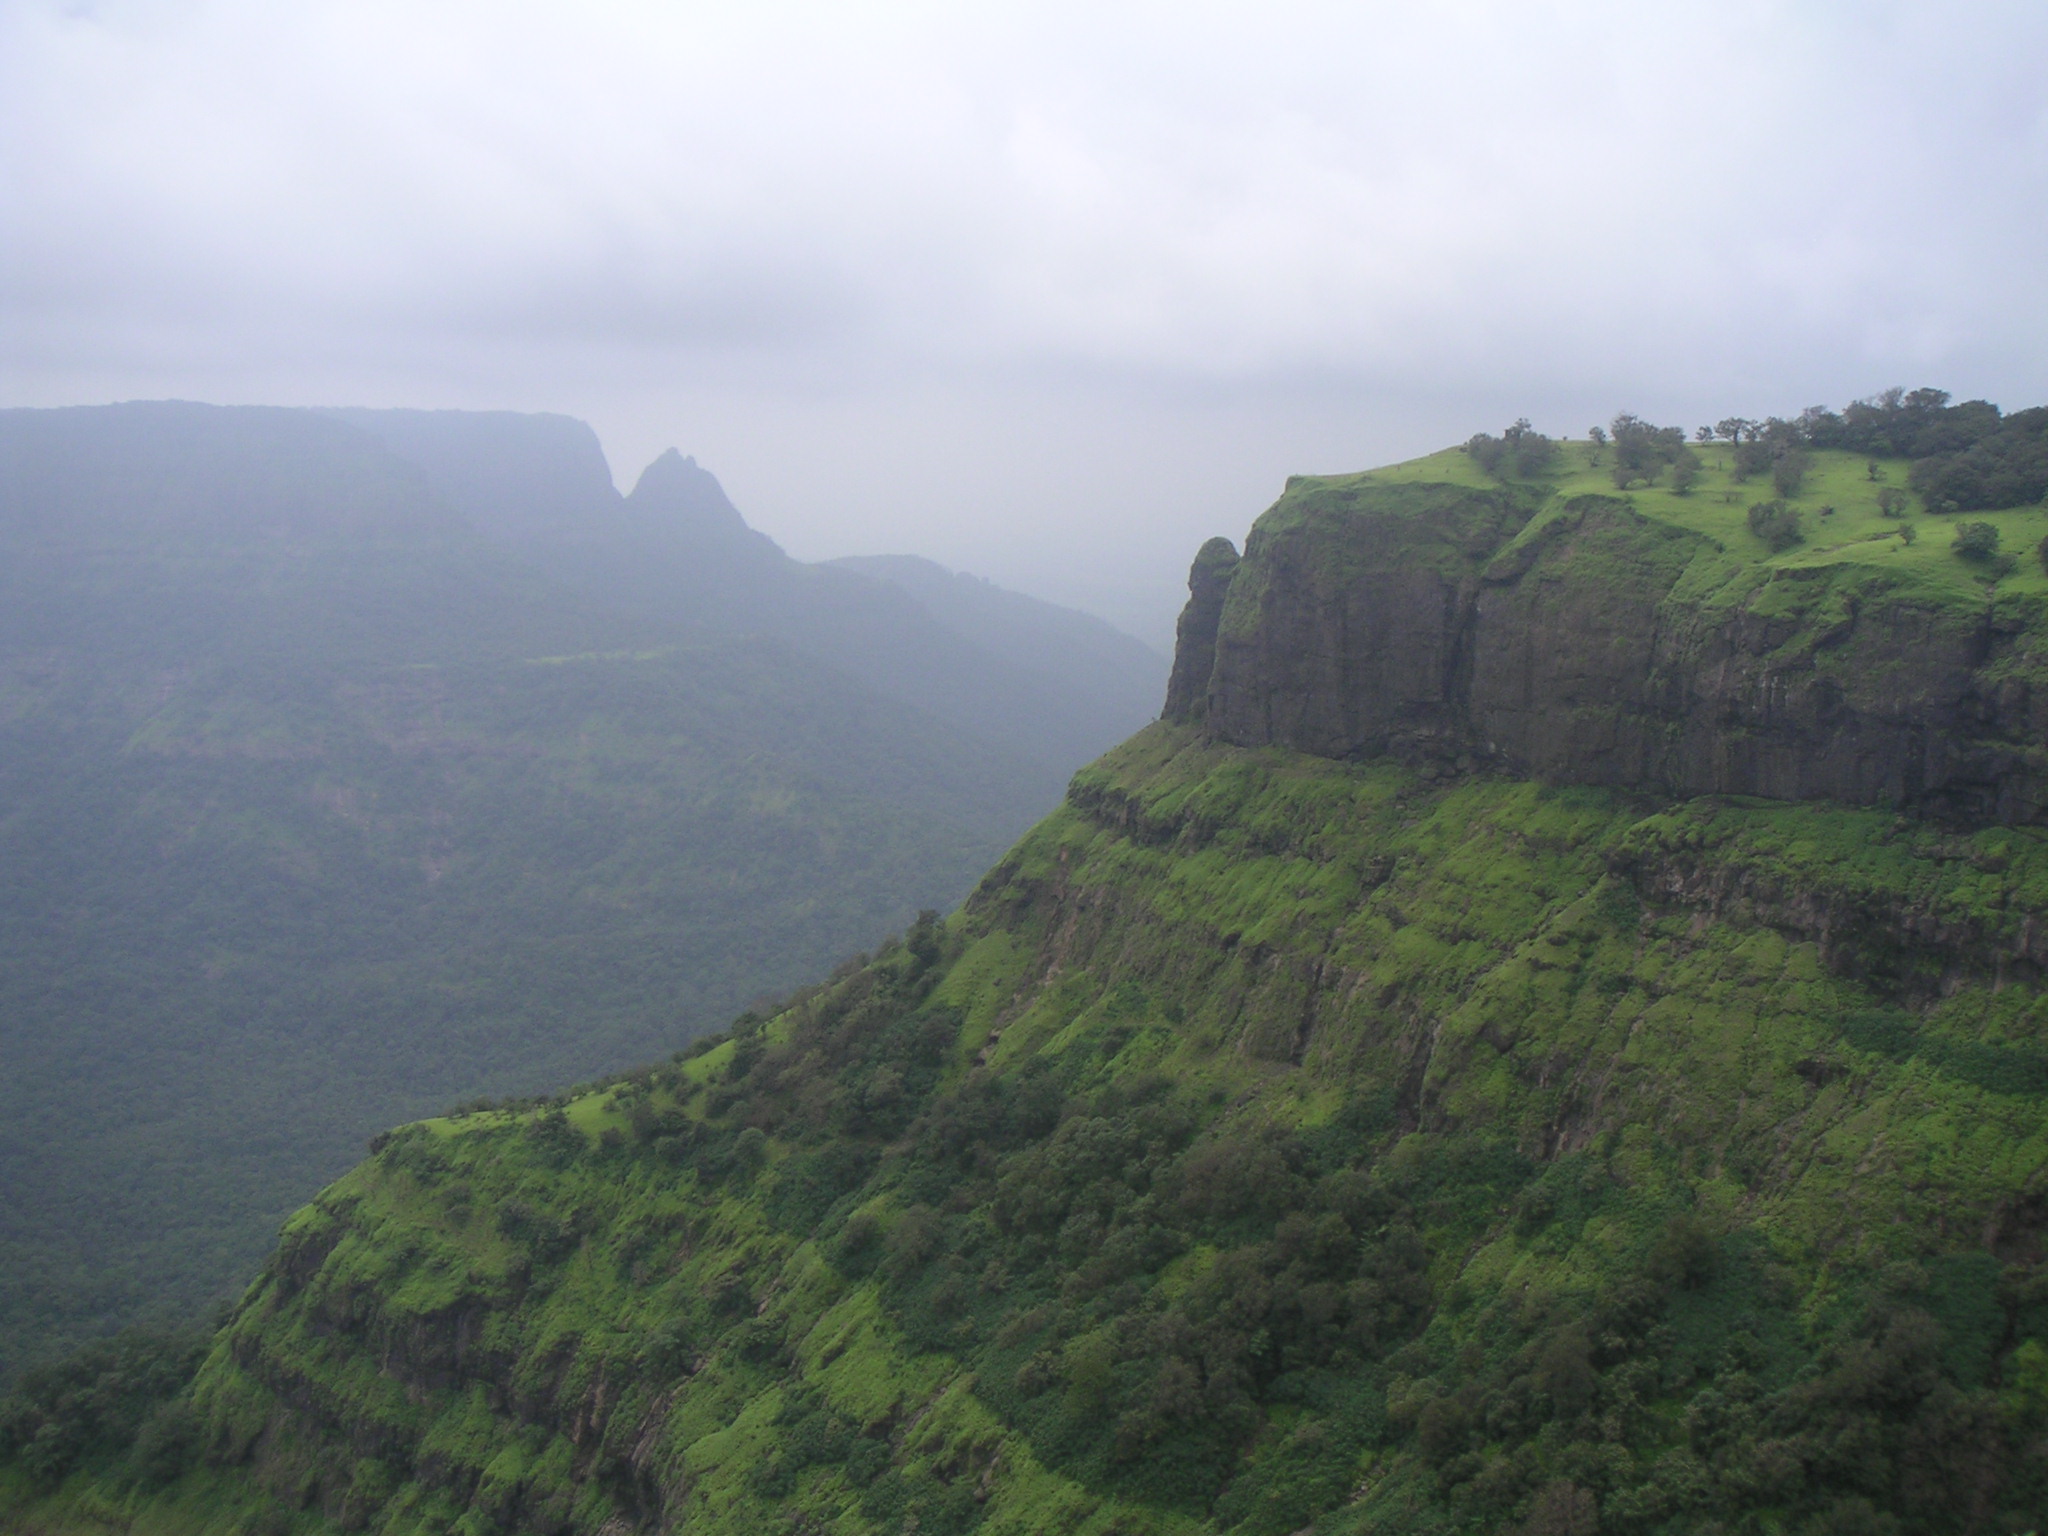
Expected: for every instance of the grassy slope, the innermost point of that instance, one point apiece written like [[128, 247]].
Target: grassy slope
[[1459, 993], [1718, 506]]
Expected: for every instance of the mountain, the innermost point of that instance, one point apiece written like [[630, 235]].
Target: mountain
[[1359, 1107], [328, 799], [1054, 687]]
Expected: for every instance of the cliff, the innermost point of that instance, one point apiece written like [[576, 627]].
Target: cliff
[[1580, 639]]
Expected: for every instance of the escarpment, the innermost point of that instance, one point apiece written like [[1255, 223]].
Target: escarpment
[[1368, 1139], [1586, 643]]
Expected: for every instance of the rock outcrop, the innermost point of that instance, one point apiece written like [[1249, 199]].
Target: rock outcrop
[[1589, 644], [1194, 649]]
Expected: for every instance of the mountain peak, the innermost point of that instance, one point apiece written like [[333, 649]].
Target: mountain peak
[[675, 483], [680, 496]]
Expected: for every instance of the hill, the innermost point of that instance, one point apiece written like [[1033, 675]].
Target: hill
[[1433, 1132], [325, 803], [1054, 687]]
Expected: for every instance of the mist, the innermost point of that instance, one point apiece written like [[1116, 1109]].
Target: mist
[[1046, 292]]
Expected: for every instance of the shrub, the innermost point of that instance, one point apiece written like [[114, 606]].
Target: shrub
[[1788, 472], [1892, 502], [1976, 540], [1776, 524]]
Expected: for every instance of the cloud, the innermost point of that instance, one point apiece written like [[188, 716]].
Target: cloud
[[1298, 207]]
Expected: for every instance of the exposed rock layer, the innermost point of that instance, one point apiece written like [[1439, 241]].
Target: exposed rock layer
[[1593, 645]]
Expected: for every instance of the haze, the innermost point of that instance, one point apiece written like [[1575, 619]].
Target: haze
[[1049, 292]]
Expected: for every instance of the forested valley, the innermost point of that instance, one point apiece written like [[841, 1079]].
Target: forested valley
[[356, 764]]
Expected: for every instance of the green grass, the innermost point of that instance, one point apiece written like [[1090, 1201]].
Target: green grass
[[1717, 506]]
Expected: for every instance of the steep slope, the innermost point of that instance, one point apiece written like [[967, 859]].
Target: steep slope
[[1268, 1141], [321, 809], [1275, 1141]]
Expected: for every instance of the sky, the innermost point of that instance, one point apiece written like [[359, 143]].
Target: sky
[[1046, 291]]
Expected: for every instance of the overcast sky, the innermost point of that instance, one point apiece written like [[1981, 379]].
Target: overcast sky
[[1046, 291]]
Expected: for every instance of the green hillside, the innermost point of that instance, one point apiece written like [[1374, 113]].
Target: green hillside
[[1268, 1141], [1375, 1101], [322, 808]]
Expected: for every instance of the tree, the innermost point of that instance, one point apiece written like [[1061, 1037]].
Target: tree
[[1597, 436], [1530, 449], [1521, 449], [1685, 471], [1981, 464], [1788, 472], [1485, 450], [1641, 450], [1892, 502]]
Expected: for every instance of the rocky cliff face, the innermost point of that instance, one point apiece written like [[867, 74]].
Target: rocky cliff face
[[1588, 644]]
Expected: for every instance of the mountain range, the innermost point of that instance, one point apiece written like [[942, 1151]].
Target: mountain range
[[353, 764]]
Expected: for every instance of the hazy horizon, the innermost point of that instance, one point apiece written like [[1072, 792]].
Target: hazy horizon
[[1046, 293]]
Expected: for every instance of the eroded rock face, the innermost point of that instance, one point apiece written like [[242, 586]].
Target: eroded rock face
[[1194, 647], [1591, 645]]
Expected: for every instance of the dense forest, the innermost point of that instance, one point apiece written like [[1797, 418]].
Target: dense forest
[[326, 802]]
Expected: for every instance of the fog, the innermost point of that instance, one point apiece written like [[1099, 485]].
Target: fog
[[1049, 292]]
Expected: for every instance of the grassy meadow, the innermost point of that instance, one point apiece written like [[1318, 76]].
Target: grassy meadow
[[1717, 505]]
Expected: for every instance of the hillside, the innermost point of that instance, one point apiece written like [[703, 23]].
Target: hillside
[[1343, 1113], [325, 806]]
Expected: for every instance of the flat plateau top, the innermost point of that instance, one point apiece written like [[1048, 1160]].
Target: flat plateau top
[[1718, 506]]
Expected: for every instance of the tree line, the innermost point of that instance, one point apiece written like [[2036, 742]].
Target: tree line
[[1965, 457]]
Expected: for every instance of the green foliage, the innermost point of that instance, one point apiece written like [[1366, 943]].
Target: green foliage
[[1521, 452], [1776, 524], [321, 810], [1271, 1142], [1976, 541], [118, 1405]]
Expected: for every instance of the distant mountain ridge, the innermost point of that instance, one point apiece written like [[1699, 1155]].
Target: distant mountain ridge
[[1056, 686], [356, 762]]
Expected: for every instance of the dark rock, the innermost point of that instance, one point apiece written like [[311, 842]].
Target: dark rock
[[1437, 625], [1194, 650]]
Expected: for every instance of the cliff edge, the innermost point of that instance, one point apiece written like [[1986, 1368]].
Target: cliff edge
[[1582, 639]]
